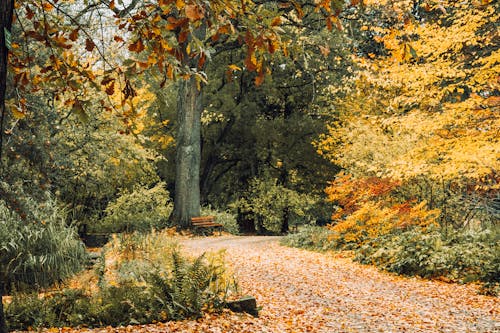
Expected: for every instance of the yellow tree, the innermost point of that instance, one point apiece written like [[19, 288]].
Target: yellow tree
[[426, 97]]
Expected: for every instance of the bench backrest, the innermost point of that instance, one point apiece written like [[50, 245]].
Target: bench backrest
[[202, 219]]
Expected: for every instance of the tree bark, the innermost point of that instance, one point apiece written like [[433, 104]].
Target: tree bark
[[188, 155], [6, 11]]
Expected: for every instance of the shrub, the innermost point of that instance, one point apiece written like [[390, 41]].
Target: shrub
[[310, 237], [226, 218], [268, 203], [41, 252], [462, 256], [138, 287], [142, 209], [372, 220]]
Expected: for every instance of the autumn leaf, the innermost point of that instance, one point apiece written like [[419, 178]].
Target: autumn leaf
[[110, 89], [47, 6], [251, 61], [194, 12], [276, 21], [137, 47], [234, 67], [89, 45], [74, 35], [259, 79]]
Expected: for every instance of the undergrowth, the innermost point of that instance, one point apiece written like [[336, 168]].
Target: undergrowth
[[459, 256], [139, 279]]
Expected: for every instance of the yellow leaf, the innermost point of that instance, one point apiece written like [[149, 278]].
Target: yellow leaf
[[17, 112], [234, 67]]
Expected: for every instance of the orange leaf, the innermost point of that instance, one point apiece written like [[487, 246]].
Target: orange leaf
[[110, 90], [251, 61], [259, 79], [73, 35], [138, 46], [298, 9], [276, 21], [47, 6], [194, 12], [89, 45], [182, 37], [234, 67]]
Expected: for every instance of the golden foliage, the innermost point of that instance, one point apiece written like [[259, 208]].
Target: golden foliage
[[430, 108]]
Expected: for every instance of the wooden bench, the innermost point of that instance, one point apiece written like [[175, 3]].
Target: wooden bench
[[205, 222]]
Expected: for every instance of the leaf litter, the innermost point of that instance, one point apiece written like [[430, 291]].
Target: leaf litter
[[303, 291]]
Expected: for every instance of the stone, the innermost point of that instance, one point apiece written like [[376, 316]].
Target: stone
[[246, 304]]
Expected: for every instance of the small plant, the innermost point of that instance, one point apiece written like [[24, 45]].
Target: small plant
[[226, 218], [38, 253], [143, 209]]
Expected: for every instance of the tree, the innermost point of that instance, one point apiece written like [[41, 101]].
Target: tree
[[423, 106], [175, 37], [182, 36]]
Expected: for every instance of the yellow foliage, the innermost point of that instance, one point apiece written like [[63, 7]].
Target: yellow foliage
[[428, 109]]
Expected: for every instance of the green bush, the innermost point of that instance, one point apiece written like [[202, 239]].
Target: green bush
[[227, 219], [310, 237], [463, 256], [142, 209], [268, 203], [138, 290], [38, 253]]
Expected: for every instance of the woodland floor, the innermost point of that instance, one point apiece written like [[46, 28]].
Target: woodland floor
[[302, 291]]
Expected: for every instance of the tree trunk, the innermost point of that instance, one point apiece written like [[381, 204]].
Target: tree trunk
[[3, 324], [6, 11], [286, 221], [188, 155]]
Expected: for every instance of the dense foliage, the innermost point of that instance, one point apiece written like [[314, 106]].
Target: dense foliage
[[138, 279], [37, 253]]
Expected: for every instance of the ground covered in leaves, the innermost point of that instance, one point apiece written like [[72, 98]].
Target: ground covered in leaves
[[302, 291]]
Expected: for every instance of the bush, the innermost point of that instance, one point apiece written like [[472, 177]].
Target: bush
[[142, 209], [142, 279], [227, 219], [268, 203], [462, 256], [310, 237], [41, 252]]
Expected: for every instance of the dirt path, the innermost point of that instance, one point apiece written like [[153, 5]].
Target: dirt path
[[302, 291]]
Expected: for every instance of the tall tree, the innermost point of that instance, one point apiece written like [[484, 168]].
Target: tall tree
[[179, 37]]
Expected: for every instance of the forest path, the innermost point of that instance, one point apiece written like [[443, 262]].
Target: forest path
[[303, 291]]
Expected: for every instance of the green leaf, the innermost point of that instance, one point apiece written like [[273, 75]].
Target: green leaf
[[8, 39]]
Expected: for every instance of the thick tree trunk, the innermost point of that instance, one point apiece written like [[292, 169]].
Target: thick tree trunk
[[6, 11], [188, 156]]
